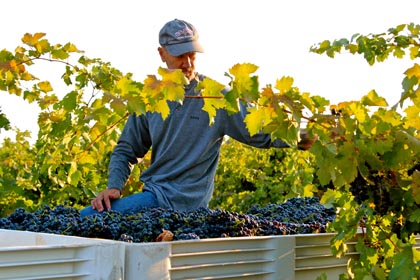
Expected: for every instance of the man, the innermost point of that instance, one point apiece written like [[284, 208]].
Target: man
[[185, 149]]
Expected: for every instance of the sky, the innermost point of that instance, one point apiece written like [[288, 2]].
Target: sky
[[275, 35]]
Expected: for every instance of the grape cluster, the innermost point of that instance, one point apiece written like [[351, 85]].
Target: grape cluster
[[297, 215], [376, 189]]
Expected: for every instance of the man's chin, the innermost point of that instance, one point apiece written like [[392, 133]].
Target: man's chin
[[190, 76]]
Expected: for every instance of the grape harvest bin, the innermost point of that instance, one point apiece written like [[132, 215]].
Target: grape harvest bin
[[28, 255]]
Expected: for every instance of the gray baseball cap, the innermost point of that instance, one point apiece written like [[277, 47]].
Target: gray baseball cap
[[179, 37]]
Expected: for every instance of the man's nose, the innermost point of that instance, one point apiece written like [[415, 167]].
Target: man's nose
[[187, 62]]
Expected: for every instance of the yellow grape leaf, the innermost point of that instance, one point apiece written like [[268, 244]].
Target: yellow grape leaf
[[151, 82], [257, 118], [172, 85], [359, 112], [413, 71], [267, 97], [210, 87], [173, 75], [284, 84], [246, 85], [31, 40], [162, 108], [413, 120], [86, 158], [42, 46], [56, 116], [391, 117], [45, 86], [151, 89], [210, 106], [173, 92], [71, 47], [373, 99], [243, 70], [125, 86], [211, 91], [414, 52]]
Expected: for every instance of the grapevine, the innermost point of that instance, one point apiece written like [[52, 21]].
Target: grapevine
[[364, 161]]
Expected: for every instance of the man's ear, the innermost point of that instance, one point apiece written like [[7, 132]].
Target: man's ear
[[162, 54]]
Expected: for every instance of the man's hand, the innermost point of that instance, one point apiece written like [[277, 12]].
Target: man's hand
[[305, 142], [105, 197]]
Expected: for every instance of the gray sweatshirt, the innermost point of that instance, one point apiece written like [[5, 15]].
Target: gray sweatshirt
[[185, 151]]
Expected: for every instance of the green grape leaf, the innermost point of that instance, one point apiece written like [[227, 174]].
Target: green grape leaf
[[135, 104], [70, 101], [4, 122], [31, 96], [399, 52], [119, 106], [415, 216], [59, 54], [403, 267], [74, 175], [415, 190], [347, 162], [328, 198], [409, 140]]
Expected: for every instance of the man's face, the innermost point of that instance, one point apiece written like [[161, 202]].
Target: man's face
[[185, 62]]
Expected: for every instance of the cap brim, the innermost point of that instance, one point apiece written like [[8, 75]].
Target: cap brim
[[180, 49]]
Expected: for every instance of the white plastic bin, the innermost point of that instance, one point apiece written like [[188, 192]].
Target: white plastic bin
[[29, 255]]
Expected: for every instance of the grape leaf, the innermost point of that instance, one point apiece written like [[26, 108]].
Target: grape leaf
[[135, 104], [403, 264], [256, 119], [246, 85], [284, 84], [373, 99], [412, 117], [415, 190], [45, 86], [30, 39], [413, 71], [126, 86], [211, 91], [70, 101]]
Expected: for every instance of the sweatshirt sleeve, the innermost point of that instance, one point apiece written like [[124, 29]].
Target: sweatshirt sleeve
[[132, 145], [236, 128]]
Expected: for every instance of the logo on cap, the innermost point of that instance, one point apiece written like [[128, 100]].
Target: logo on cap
[[185, 33]]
